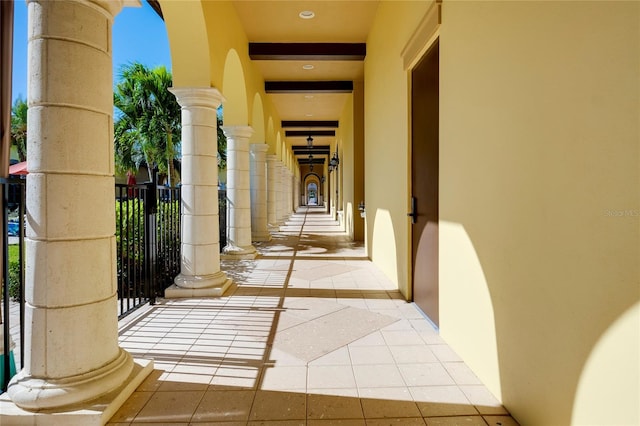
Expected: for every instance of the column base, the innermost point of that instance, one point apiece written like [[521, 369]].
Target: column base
[[213, 285], [95, 412], [232, 252], [261, 237], [273, 227]]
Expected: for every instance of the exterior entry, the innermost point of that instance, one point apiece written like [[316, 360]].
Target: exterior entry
[[424, 182]]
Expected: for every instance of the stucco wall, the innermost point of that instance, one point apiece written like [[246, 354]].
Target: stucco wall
[[539, 203], [387, 139]]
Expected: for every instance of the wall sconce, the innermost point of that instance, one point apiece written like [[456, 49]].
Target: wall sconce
[[361, 208], [322, 179], [333, 163]]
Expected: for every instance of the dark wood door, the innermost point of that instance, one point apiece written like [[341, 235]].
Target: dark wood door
[[424, 181]]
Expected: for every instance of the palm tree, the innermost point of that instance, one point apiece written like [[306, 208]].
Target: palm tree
[[147, 120], [19, 127], [222, 141]]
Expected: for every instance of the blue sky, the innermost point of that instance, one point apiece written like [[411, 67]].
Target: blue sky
[[138, 35]]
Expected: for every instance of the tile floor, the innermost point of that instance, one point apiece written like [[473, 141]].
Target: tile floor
[[311, 333]]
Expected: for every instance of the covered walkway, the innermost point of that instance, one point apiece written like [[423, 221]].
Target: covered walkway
[[310, 333]]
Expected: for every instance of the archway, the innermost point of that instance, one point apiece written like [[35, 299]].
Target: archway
[[312, 194], [312, 190]]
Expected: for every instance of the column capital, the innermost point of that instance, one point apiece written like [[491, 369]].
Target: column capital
[[260, 147], [206, 97], [237, 131]]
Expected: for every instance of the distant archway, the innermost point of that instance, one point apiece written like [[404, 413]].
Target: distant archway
[[312, 194], [312, 190]]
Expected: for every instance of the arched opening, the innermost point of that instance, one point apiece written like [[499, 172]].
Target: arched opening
[[312, 194]]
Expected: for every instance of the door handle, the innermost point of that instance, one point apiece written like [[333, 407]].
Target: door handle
[[414, 210]]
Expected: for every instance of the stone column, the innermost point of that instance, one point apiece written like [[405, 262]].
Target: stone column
[[279, 192], [258, 166], [296, 190], [238, 194], [200, 273], [289, 193], [71, 328], [272, 188]]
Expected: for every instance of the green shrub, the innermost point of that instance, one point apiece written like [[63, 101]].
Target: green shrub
[[14, 280]]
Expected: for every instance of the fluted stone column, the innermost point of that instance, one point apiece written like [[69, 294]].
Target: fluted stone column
[[200, 273], [272, 189], [71, 328], [238, 193], [258, 166]]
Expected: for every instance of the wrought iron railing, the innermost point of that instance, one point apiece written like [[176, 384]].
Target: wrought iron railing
[[147, 241], [147, 244], [13, 204]]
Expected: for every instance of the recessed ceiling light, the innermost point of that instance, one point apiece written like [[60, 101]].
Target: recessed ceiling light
[[308, 96], [308, 115], [308, 67], [307, 14]]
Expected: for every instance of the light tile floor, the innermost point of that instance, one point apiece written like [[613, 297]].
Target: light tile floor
[[311, 333]]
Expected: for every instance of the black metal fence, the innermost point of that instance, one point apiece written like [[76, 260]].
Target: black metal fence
[[147, 241], [13, 204], [222, 214], [148, 252]]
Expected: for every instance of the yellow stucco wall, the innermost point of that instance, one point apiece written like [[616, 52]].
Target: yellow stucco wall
[[188, 42], [387, 139], [234, 74], [540, 207], [346, 141], [351, 138]]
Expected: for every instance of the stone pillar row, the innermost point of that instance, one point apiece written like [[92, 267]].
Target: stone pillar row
[[279, 179], [200, 273], [272, 191], [238, 194], [258, 166]]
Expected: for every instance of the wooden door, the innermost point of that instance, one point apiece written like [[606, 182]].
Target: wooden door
[[424, 181]]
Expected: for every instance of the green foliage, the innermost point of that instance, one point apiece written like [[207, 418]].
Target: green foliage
[[147, 121], [14, 280], [19, 127], [130, 233], [130, 238], [14, 273], [222, 142]]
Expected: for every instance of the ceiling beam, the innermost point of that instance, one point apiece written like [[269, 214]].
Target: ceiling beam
[[307, 51], [303, 133], [314, 147], [307, 161], [308, 86], [305, 152], [309, 123]]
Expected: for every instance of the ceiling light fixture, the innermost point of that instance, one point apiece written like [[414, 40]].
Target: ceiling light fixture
[[308, 67], [308, 96], [307, 14]]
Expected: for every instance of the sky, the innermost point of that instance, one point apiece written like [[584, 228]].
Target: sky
[[138, 35]]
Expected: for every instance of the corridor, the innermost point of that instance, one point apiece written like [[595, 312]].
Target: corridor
[[311, 333]]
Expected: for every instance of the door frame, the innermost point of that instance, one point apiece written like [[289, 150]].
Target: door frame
[[422, 40]]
